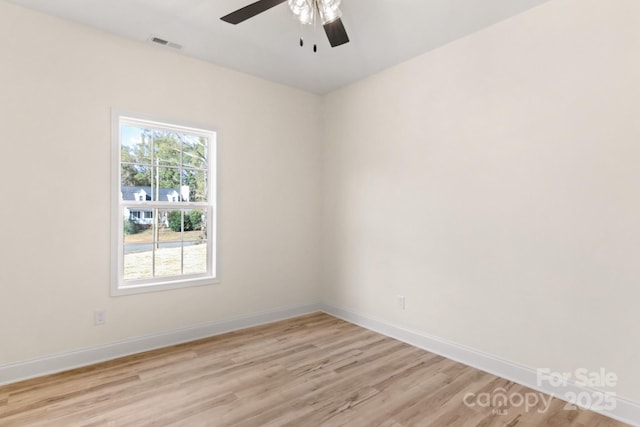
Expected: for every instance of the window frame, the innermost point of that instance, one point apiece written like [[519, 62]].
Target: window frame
[[120, 286]]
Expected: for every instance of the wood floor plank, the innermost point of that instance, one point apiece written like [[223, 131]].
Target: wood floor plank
[[313, 370]]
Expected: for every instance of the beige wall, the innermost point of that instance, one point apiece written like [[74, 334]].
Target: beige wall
[[58, 83], [495, 183]]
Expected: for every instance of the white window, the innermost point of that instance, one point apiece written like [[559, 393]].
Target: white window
[[163, 205]]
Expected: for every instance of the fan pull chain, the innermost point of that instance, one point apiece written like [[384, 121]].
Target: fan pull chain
[[315, 28]]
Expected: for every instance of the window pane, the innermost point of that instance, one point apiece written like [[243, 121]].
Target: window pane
[[195, 224], [168, 259], [170, 225], [195, 152], [195, 257], [195, 184], [138, 262], [166, 184], [167, 148], [137, 226], [195, 241], [135, 175], [135, 145]]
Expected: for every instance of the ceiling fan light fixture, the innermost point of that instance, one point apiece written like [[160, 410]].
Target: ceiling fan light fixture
[[329, 11], [306, 11], [303, 10]]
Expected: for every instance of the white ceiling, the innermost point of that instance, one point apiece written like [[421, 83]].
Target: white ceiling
[[383, 33]]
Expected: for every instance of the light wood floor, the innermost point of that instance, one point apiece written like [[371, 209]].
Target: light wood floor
[[309, 371]]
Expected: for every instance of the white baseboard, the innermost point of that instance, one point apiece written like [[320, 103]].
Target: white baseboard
[[625, 410], [88, 356]]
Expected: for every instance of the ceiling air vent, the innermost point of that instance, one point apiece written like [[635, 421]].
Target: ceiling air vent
[[163, 42]]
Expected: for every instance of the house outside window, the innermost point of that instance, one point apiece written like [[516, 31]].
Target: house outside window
[[163, 205]]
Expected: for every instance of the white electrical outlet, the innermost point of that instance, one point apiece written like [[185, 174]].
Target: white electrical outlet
[[99, 317], [401, 302]]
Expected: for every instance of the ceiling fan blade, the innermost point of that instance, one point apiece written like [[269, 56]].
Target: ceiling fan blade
[[336, 33], [250, 11]]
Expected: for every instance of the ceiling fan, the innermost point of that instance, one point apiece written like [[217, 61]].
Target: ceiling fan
[[308, 12]]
